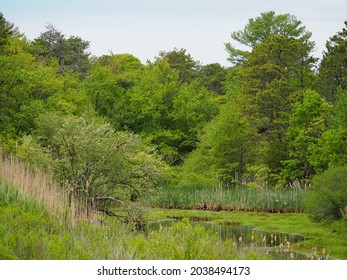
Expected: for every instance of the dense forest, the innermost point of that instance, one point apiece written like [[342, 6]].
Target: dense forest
[[111, 127]]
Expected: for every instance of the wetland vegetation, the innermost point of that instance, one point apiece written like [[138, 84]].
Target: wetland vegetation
[[109, 158]]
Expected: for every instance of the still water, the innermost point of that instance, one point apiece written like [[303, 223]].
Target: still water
[[277, 245]]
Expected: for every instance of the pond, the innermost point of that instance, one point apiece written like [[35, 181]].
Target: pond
[[277, 245]]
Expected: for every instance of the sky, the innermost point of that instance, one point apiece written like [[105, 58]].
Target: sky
[[144, 28]]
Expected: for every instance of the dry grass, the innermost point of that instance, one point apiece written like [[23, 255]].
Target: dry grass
[[41, 187]]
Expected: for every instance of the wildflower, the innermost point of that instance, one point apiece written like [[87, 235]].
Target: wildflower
[[240, 239], [314, 249], [264, 240]]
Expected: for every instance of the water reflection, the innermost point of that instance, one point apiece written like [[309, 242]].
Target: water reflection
[[276, 245]]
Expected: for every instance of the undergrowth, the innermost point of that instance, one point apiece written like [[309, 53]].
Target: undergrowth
[[28, 231]]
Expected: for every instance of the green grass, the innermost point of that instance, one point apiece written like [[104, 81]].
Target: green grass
[[241, 199], [28, 231], [332, 236]]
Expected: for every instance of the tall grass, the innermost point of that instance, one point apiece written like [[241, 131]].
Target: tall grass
[[242, 199], [32, 233], [40, 186], [37, 217]]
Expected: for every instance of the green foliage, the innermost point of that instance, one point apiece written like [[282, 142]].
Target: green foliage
[[152, 102], [192, 108], [259, 29], [331, 148], [125, 68], [105, 94], [306, 126], [20, 77], [332, 70], [7, 29], [182, 62], [327, 199], [224, 148], [30, 88], [90, 159], [71, 54], [180, 243], [269, 82], [32, 153], [30, 233], [213, 77], [259, 123]]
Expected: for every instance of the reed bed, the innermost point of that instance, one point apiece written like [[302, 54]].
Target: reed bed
[[241, 199], [40, 186]]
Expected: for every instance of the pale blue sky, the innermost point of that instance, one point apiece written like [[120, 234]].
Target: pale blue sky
[[143, 28]]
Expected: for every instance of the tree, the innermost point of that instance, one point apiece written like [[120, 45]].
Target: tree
[[25, 86], [333, 68], [213, 77], [7, 29], [105, 93], [125, 68], [179, 60], [107, 84], [224, 148], [259, 29], [93, 162], [307, 123], [331, 149], [268, 83], [193, 107], [71, 54], [150, 100]]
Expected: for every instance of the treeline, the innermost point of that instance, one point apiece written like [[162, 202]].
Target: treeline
[[112, 124]]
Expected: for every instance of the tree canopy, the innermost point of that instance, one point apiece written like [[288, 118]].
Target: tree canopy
[[259, 29], [112, 123]]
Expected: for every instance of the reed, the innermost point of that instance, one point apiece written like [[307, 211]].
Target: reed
[[242, 199], [40, 186]]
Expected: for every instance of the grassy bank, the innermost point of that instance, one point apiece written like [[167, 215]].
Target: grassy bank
[[38, 223], [330, 237], [28, 231], [240, 199]]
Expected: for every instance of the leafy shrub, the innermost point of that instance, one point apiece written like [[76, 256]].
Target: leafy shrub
[[328, 198]]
